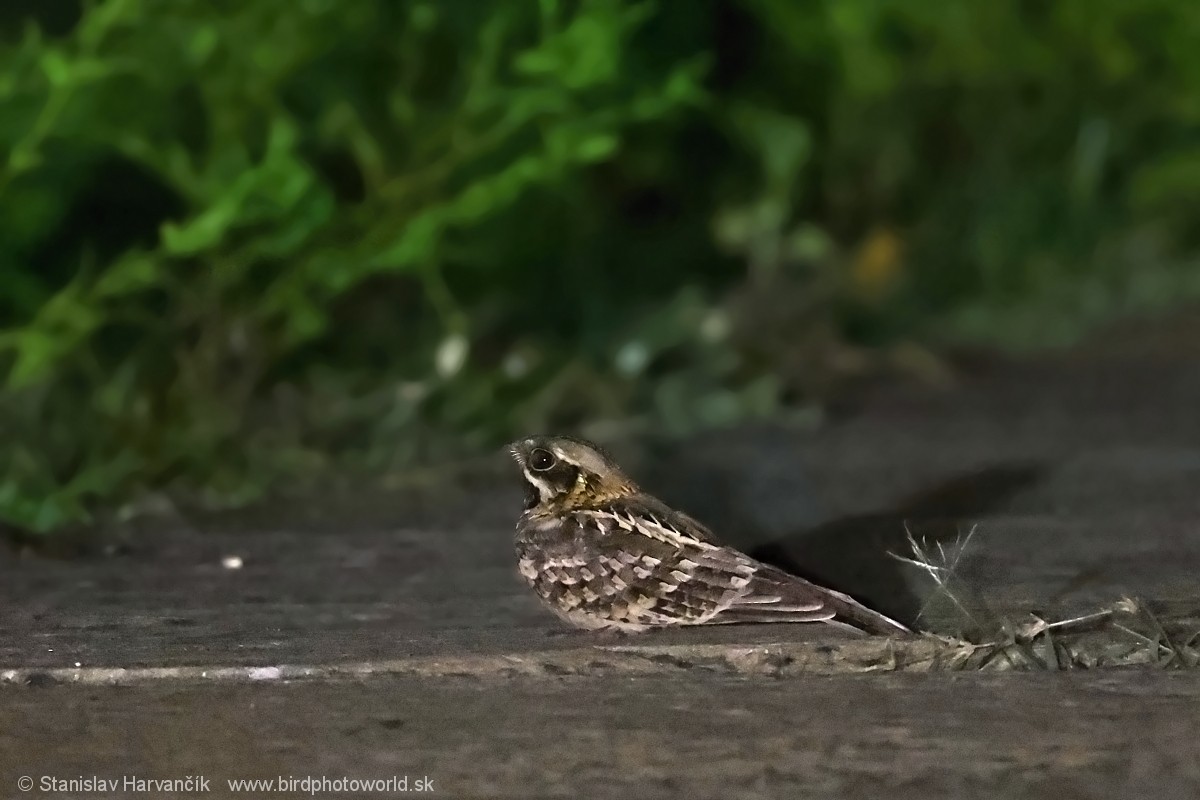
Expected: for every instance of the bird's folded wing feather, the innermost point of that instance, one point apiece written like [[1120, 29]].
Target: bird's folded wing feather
[[678, 572]]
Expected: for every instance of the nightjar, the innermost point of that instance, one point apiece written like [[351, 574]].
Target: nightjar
[[603, 554]]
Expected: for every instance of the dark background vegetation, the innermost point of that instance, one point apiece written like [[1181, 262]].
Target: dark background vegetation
[[242, 241]]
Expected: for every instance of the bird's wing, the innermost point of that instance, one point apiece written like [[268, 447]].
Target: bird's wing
[[644, 571], [778, 596], [677, 572], [660, 519], [658, 567]]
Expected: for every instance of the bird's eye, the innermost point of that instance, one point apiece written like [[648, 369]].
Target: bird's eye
[[541, 460]]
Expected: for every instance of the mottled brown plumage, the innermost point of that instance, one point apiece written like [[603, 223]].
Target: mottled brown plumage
[[603, 554]]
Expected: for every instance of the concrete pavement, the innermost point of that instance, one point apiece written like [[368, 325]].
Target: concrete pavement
[[373, 633]]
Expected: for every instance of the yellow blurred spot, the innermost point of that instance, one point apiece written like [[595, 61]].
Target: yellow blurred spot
[[878, 264]]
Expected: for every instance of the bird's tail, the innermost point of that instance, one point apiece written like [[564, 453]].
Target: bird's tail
[[849, 611], [802, 600]]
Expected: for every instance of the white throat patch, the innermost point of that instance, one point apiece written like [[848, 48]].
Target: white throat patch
[[544, 490]]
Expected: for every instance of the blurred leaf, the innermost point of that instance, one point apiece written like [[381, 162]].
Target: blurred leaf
[[783, 143]]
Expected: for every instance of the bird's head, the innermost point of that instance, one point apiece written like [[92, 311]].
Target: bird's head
[[562, 472]]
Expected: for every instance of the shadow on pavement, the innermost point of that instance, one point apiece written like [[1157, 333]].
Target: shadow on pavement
[[851, 553]]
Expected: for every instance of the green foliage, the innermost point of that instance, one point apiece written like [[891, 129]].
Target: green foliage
[[237, 238], [1016, 144]]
